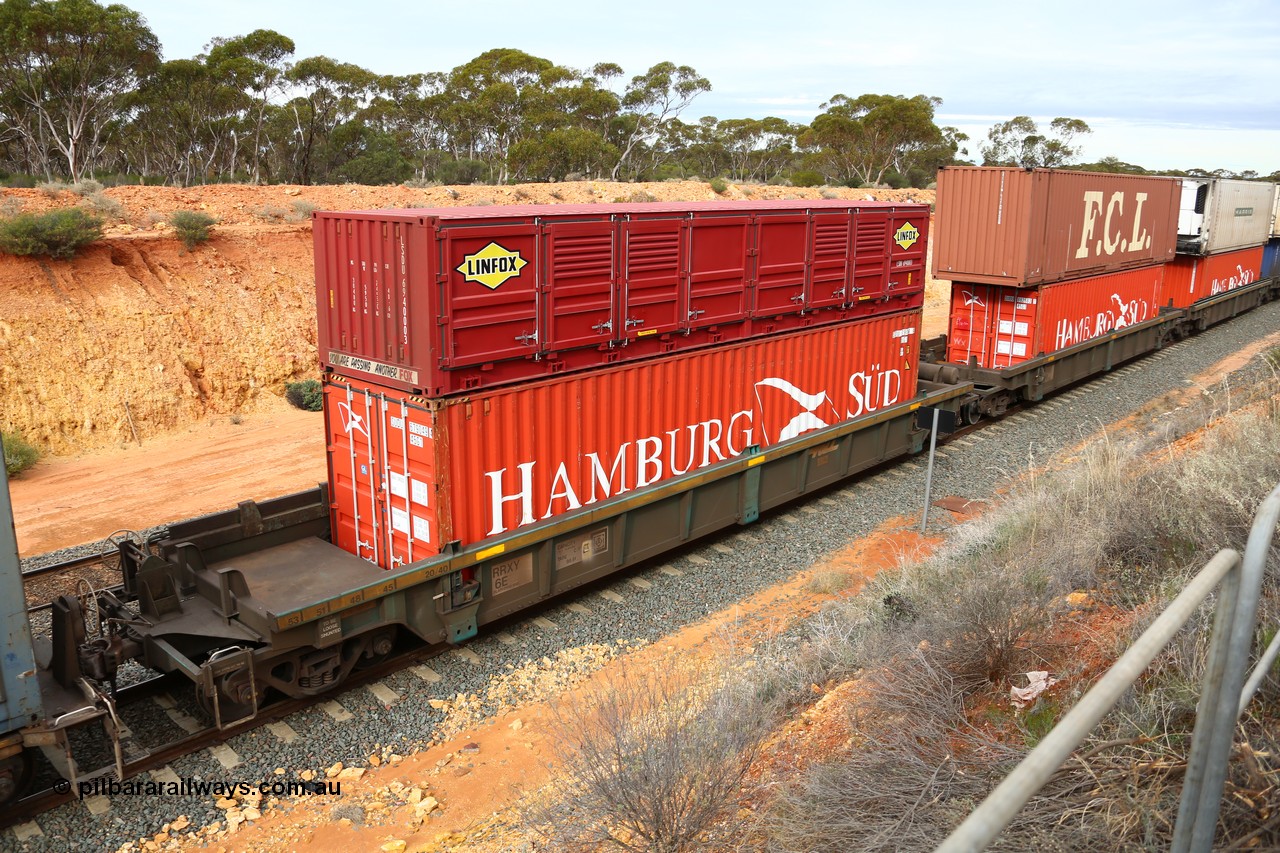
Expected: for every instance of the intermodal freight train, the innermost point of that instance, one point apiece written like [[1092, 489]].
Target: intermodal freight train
[[522, 400]]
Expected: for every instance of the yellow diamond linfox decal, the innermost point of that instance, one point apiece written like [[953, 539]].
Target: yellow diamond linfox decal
[[906, 236], [491, 266]]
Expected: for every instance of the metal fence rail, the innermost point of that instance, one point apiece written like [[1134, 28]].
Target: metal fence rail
[[1223, 698]]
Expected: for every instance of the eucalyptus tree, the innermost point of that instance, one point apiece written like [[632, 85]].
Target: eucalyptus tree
[[66, 67], [1019, 142], [864, 138], [257, 65], [650, 101]]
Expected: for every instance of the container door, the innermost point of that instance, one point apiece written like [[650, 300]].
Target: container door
[[830, 254], [870, 254], [782, 256], [652, 263], [718, 249], [907, 240], [352, 420], [969, 331], [490, 293], [1015, 326], [408, 488], [579, 285]]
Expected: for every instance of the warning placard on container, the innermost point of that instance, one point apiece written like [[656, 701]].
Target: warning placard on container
[[581, 549]]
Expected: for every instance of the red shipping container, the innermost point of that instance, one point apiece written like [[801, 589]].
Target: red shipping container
[[1188, 278], [439, 301], [409, 474], [1020, 227], [1013, 325]]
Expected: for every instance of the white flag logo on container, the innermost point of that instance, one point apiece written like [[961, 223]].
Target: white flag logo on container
[[792, 408], [351, 421]]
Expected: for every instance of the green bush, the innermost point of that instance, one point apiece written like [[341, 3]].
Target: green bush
[[807, 178], [719, 185], [306, 395], [19, 454], [57, 233], [192, 226]]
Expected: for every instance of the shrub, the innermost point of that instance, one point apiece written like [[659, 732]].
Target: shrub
[[651, 759], [640, 196], [192, 226], [101, 204], [52, 188], [19, 454], [271, 213], [719, 186], [306, 395], [87, 187], [828, 193], [57, 233], [302, 211], [807, 178]]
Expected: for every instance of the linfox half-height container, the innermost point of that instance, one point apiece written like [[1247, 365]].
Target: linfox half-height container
[[1190, 278], [1022, 228], [1219, 215], [1001, 327], [410, 474], [439, 301]]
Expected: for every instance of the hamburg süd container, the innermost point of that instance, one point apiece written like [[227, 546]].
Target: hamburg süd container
[[408, 475], [1001, 327], [1219, 215], [1190, 278], [439, 301], [1022, 228]]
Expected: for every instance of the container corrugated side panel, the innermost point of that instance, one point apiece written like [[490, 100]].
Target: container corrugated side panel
[[1271, 258], [1072, 312], [1238, 215], [1013, 227], [372, 291], [1096, 223], [981, 221], [518, 456]]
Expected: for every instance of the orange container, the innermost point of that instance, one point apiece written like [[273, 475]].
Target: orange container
[[1188, 278], [409, 475], [1006, 326], [1023, 228]]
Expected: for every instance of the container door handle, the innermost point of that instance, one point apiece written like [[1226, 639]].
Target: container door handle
[[696, 313], [633, 321], [798, 298], [528, 339], [606, 326]]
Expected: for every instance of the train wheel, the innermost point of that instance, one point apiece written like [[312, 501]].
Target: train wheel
[[15, 775], [972, 412], [378, 649]]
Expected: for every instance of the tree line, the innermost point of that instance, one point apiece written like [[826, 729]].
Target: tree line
[[85, 92]]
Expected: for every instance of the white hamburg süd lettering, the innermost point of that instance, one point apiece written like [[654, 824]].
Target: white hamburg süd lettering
[[709, 442], [1240, 279], [874, 391]]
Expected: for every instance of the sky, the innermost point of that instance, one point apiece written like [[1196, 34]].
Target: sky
[[1165, 85]]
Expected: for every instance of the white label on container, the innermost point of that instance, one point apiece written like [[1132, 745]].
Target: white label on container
[[400, 520], [397, 423], [416, 440], [1002, 347], [421, 529], [1019, 349], [421, 493], [399, 485], [1006, 327], [1020, 329]]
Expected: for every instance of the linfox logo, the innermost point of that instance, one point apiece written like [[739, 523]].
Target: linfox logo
[[906, 236], [491, 266], [1113, 216], [1126, 313], [781, 411]]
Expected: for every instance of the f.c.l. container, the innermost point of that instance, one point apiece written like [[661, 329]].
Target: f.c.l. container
[[998, 327], [409, 475], [1219, 215], [1190, 278], [1022, 228], [439, 301]]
